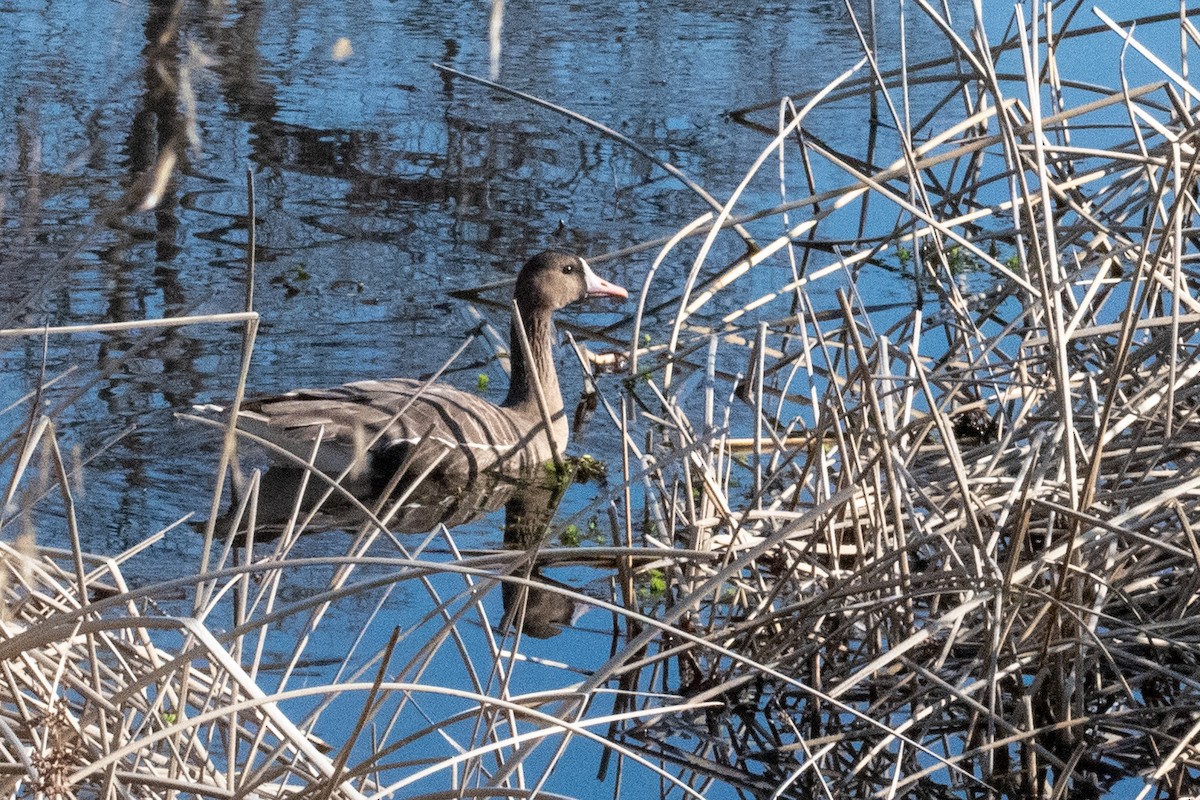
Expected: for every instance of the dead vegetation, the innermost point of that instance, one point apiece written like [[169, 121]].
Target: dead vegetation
[[945, 550]]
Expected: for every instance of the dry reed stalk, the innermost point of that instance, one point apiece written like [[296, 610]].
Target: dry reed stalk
[[959, 560], [1003, 501]]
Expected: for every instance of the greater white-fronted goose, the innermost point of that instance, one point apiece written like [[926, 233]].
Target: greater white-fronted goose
[[464, 433]]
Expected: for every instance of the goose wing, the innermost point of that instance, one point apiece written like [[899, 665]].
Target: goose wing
[[360, 421]]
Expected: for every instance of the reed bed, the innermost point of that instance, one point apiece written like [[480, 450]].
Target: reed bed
[[940, 548], [962, 555]]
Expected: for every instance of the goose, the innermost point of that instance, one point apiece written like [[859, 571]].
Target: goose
[[371, 428]]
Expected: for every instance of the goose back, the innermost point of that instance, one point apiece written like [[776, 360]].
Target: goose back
[[374, 426]]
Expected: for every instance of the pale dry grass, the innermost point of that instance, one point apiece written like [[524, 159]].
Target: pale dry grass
[[945, 550]]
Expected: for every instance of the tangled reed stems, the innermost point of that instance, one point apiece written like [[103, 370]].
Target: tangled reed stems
[[945, 549], [968, 560]]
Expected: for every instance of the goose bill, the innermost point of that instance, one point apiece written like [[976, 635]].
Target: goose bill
[[598, 287]]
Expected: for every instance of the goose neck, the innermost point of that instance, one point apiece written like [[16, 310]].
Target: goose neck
[[522, 391]]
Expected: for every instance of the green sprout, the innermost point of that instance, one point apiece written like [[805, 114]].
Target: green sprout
[[569, 536], [588, 467], [960, 260], [655, 585]]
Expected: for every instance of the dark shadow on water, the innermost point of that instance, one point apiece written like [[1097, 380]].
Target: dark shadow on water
[[535, 605], [534, 610]]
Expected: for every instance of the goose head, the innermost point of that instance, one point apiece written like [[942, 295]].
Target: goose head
[[554, 279]]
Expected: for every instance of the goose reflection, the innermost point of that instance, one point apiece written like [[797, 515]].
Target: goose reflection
[[535, 605], [534, 608]]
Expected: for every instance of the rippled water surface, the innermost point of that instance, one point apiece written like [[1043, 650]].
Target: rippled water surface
[[382, 185]]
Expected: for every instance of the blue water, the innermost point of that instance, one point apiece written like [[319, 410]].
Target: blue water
[[382, 185]]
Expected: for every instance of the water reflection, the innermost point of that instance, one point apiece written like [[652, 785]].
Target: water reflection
[[382, 183], [536, 609], [291, 502], [158, 128]]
